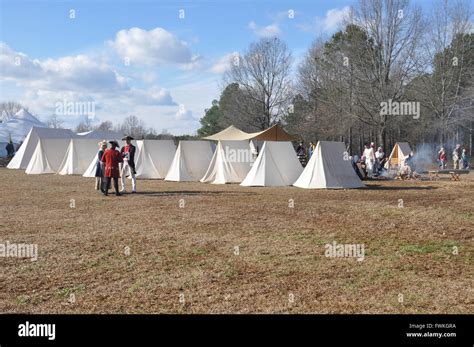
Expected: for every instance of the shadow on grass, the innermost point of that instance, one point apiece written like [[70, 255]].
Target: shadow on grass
[[379, 187]]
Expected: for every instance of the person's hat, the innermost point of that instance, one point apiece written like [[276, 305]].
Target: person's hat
[[127, 138], [114, 143], [103, 143]]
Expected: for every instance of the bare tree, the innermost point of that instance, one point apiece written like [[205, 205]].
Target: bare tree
[[447, 92], [134, 127], [55, 122], [106, 126], [263, 77], [393, 29]]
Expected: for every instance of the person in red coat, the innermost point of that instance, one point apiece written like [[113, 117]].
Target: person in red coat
[[111, 160]]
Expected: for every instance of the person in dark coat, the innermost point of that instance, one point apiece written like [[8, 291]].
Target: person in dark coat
[[128, 166], [111, 159], [10, 149], [99, 168]]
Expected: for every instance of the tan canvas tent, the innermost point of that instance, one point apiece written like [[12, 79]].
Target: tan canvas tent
[[230, 133], [274, 133], [397, 157], [329, 167]]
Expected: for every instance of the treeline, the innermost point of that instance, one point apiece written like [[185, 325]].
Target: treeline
[[133, 126], [392, 74]]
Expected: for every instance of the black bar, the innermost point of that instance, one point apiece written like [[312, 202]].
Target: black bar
[[144, 330]]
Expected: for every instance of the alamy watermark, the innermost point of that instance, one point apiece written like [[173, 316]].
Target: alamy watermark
[[75, 108], [341, 250], [19, 250], [400, 108], [240, 155]]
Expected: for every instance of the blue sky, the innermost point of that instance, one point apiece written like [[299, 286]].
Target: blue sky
[[175, 64]]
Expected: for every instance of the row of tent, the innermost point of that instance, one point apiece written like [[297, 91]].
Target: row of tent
[[61, 151], [230, 161]]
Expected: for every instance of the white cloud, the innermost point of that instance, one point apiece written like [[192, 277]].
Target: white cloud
[[224, 63], [266, 31], [116, 92], [156, 46], [331, 22], [17, 65], [335, 17], [184, 114], [67, 73]]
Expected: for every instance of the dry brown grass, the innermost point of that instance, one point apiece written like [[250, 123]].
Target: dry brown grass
[[190, 250]]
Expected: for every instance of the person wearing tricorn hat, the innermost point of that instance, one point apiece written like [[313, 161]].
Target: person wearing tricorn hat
[[128, 166], [111, 159]]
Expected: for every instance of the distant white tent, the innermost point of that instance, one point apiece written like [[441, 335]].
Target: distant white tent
[[230, 163], [78, 156], [399, 152], [329, 167], [24, 154], [47, 156], [18, 126], [101, 135], [154, 158], [276, 165], [190, 162]]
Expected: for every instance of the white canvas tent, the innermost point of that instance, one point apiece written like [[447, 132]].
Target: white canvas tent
[[276, 165], [329, 167], [79, 154], [154, 158], [26, 150], [190, 162], [399, 152], [47, 156], [230, 163]]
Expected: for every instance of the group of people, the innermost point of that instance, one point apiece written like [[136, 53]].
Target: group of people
[[374, 160], [113, 164], [459, 156]]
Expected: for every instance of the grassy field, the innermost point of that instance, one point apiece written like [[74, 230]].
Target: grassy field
[[197, 248]]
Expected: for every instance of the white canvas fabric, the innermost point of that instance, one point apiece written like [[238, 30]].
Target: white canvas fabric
[[90, 171], [78, 156], [230, 163], [26, 150], [47, 156], [399, 152], [329, 168], [190, 162], [276, 165], [154, 158]]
